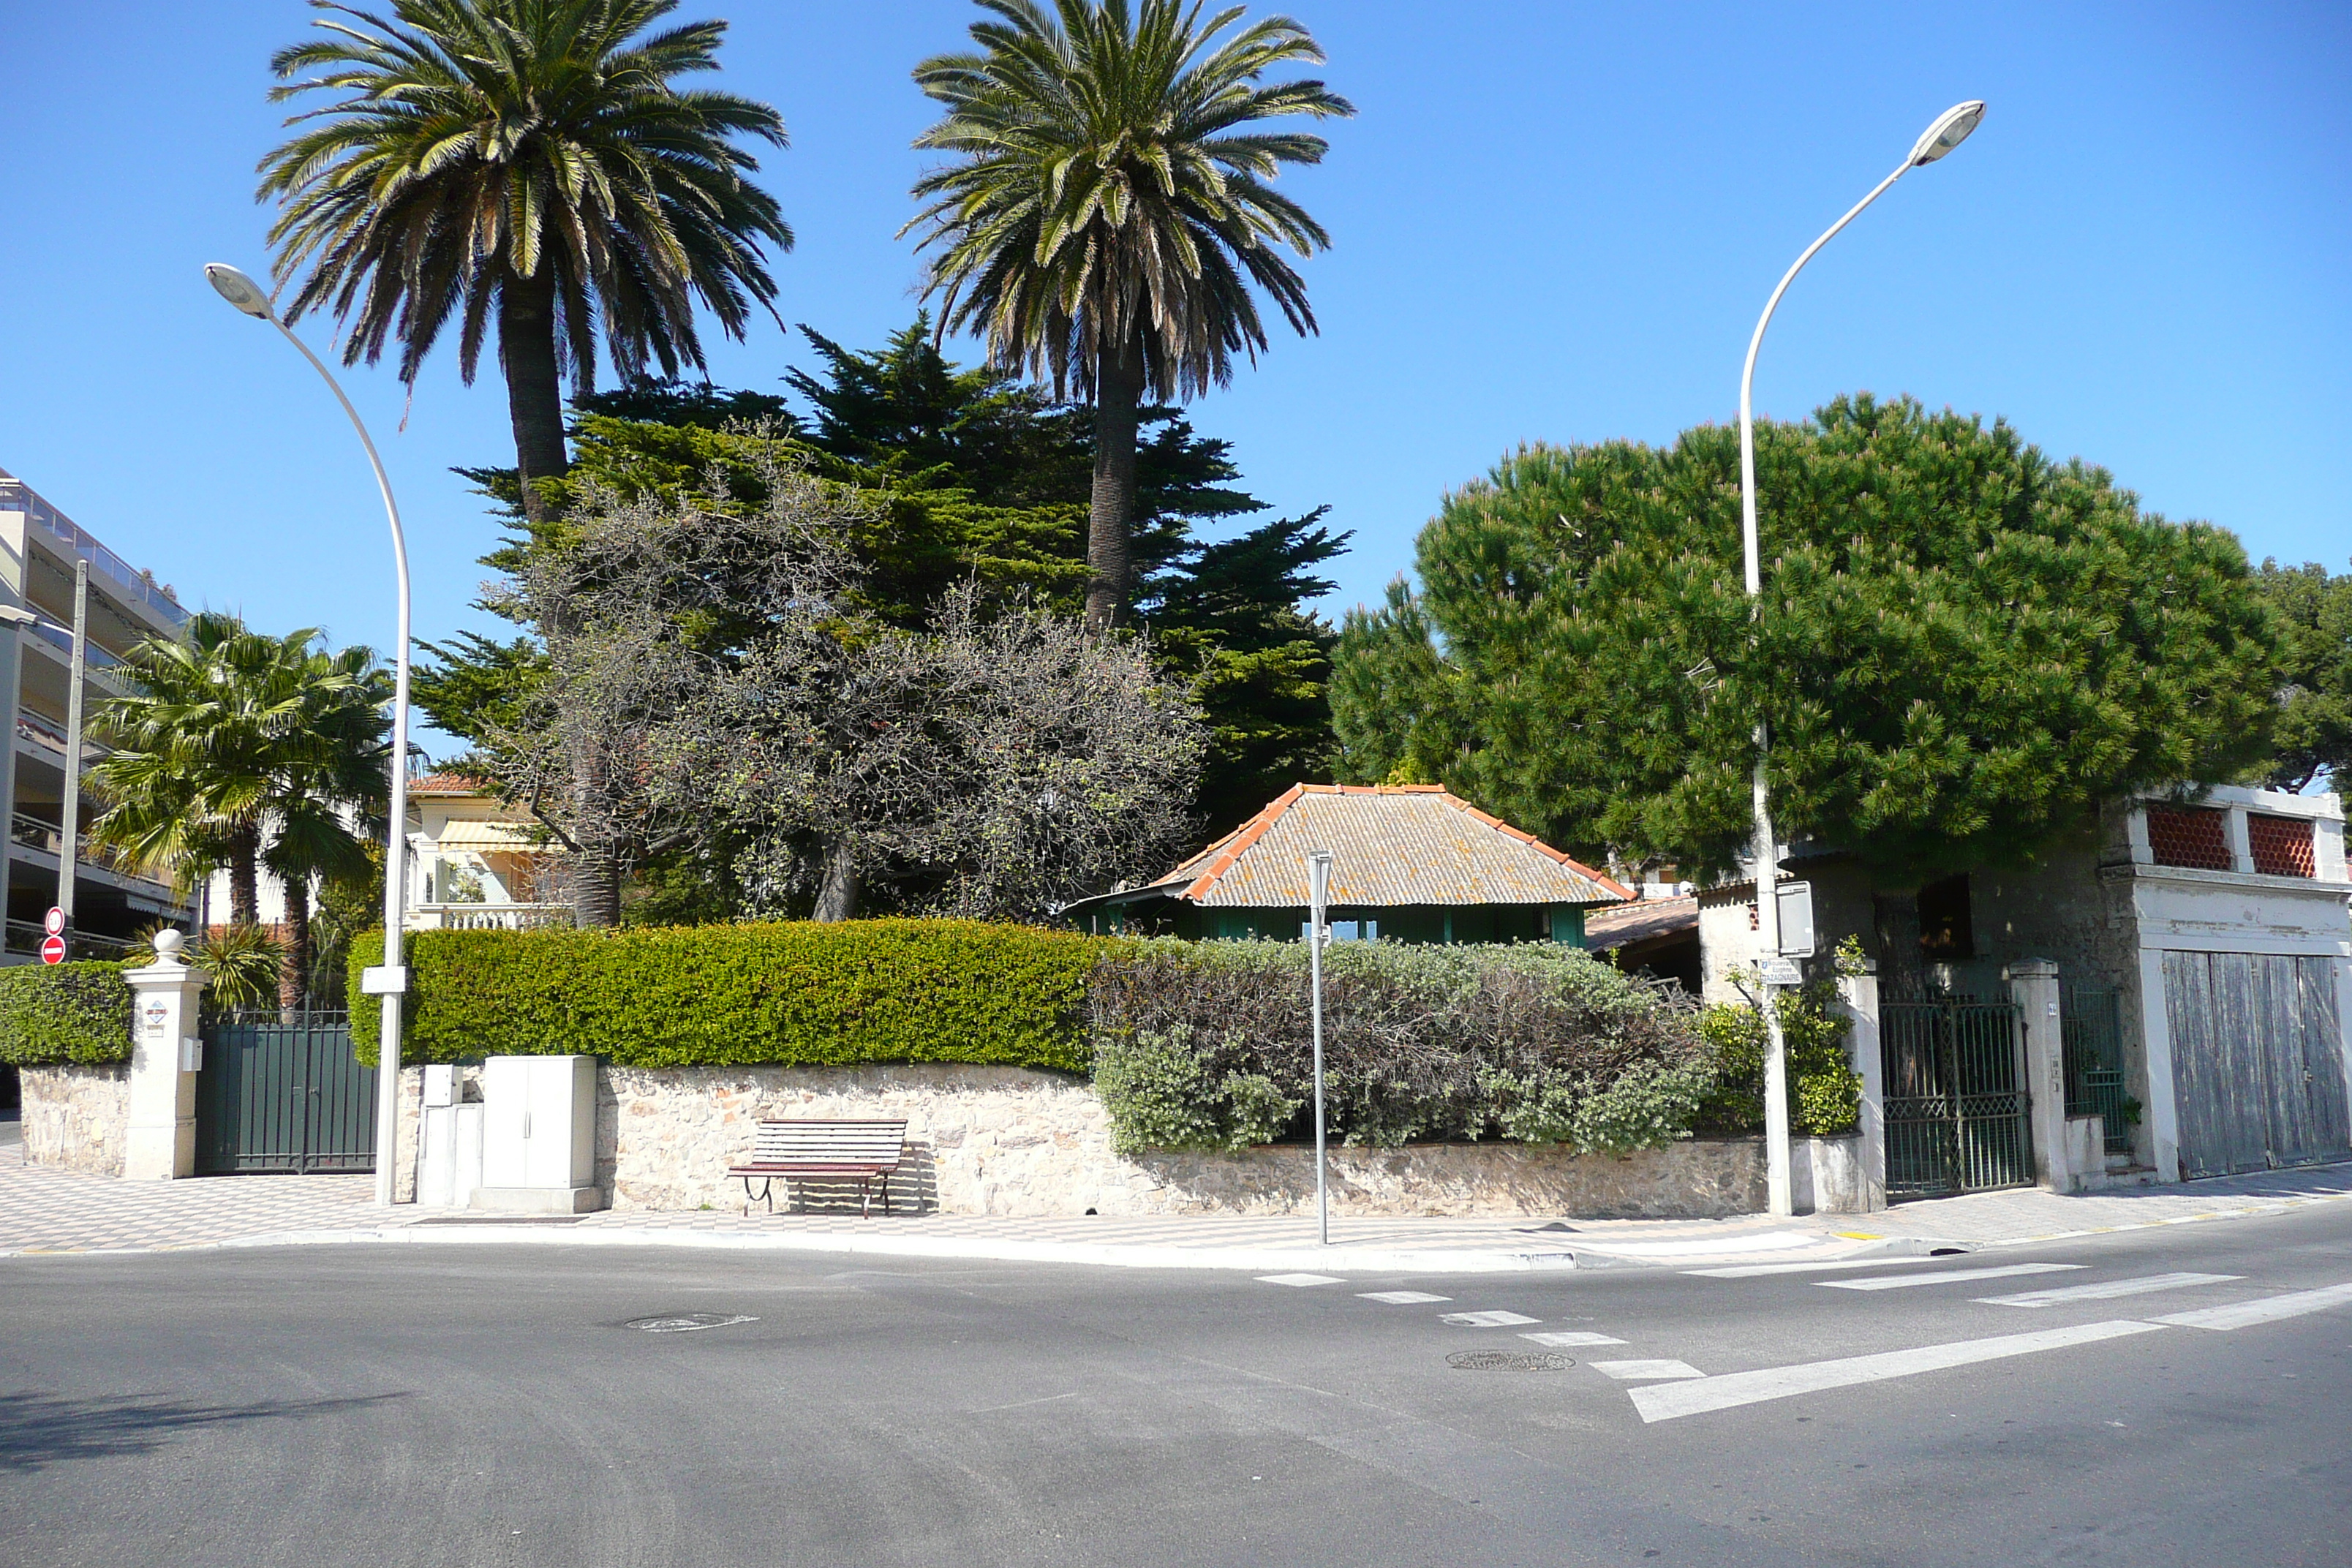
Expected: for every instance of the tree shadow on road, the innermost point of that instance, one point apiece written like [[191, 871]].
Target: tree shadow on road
[[38, 1430]]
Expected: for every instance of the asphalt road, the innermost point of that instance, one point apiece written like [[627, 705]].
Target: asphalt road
[[488, 1404]]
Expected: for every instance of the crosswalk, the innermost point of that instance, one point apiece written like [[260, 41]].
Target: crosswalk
[[1663, 1388]]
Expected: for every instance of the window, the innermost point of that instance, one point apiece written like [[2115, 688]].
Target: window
[[2282, 845], [2194, 836], [1946, 929], [1344, 931]]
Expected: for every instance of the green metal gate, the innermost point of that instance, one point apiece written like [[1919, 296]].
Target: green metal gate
[[283, 1092], [1956, 1111], [2091, 1028]]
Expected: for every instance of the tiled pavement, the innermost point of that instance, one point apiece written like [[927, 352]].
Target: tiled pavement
[[45, 1210]]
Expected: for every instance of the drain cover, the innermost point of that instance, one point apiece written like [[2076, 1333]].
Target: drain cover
[[687, 1323], [1508, 1361]]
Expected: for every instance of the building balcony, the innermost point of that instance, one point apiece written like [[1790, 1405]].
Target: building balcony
[[487, 917]]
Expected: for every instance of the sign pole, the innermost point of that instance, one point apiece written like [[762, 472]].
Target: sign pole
[[70, 828], [1318, 902]]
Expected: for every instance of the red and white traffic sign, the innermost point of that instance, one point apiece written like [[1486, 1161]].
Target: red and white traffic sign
[[54, 923], [53, 949]]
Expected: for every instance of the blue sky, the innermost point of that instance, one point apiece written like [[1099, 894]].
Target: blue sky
[[1551, 222]]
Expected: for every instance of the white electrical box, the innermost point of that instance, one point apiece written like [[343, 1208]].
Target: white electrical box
[[1796, 902], [539, 1135]]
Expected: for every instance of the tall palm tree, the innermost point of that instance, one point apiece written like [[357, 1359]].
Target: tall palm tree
[[1108, 212], [242, 751], [531, 157]]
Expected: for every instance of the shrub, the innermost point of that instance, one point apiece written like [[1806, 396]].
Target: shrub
[[1824, 1091], [52, 1012], [1209, 1046], [795, 992]]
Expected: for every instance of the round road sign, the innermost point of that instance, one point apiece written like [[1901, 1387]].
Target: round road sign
[[53, 950], [54, 923]]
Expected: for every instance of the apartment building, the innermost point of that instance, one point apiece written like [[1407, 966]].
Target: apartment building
[[38, 548]]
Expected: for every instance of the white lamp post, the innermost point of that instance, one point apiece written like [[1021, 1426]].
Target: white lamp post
[[389, 979], [1319, 926], [1950, 129]]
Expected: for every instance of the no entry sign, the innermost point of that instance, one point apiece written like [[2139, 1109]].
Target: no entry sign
[[53, 949]]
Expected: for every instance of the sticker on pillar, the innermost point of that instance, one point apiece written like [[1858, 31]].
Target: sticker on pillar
[[157, 1015]]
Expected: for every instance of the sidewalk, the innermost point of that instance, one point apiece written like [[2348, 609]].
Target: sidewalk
[[50, 1211]]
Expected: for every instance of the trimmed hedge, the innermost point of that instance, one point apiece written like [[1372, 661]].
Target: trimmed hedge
[[53, 1013], [795, 992]]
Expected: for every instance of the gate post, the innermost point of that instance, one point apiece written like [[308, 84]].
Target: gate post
[[2034, 986], [165, 1052], [1859, 995]]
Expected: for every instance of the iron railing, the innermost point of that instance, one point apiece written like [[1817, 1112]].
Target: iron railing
[[2091, 1030], [1955, 1114]]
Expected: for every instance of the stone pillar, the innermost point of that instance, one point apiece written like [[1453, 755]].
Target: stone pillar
[[164, 1054], [1858, 993], [2034, 986]]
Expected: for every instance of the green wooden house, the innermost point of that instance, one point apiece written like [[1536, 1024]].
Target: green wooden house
[[1410, 863]]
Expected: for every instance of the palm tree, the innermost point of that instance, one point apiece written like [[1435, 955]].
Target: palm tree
[[531, 157], [242, 751], [1109, 212]]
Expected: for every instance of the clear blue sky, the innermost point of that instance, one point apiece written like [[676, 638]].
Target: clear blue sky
[[1550, 222]]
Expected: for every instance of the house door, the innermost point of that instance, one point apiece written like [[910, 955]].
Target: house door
[[1955, 1102], [281, 1094], [2257, 1061]]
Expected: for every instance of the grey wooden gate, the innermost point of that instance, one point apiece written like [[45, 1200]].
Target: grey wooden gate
[[1955, 1109], [279, 1093], [2257, 1061]]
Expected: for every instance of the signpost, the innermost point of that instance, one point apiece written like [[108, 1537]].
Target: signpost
[[53, 945]]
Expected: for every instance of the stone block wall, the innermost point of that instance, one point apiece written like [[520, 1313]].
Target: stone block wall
[[76, 1116]]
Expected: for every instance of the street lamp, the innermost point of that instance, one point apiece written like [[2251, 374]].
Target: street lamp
[[389, 979], [1950, 129]]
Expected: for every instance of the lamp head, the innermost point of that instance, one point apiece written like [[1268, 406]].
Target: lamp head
[[1952, 129], [238, 289]]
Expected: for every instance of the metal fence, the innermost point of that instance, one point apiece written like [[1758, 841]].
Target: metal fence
[[2091, 1028], [281, 1091], [1956, 1113]]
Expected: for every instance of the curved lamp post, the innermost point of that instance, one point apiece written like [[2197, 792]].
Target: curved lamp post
[[390, 979], [1951, 128]]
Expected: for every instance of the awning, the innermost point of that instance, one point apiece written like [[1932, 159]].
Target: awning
[[481, 836]]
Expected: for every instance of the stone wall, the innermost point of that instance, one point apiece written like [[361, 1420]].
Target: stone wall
[[1006, 1140], [76, 1116]]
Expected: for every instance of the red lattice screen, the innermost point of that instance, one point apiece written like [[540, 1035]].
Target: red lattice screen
[[2281, 846], [2189, 836]]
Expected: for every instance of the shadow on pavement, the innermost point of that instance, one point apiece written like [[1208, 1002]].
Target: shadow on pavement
[[38, 1430]]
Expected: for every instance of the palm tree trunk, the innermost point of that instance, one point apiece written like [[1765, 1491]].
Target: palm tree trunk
[[596, 867], [294, 954], [245, 876], [534, 393], [1110, 513], [837, 895]]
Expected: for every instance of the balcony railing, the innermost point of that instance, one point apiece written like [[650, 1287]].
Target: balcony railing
[[51, 840], [487, 917], [18, 496], [26, 936], [40, 732]]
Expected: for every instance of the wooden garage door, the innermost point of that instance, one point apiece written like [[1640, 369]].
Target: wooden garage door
[[2257, 1061]]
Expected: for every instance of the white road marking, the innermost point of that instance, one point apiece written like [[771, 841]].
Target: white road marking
[[1298, 1279], [1484, 1320], [1576, 1337], [1730, 1390], [1900, 1281], [1400, 1298], [1635, 1370], [1771, 1241], [2105, 1289], [2268, 1310], [1753, 1270]]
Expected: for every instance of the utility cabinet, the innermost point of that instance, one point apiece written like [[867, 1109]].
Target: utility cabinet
[[539, 1135]]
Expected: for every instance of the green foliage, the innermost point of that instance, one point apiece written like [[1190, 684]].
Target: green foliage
[[243, 962], [1824, 1090], [2315, 725], [1209, 1046], [75, 1012], [861, 991], [1962, 647]]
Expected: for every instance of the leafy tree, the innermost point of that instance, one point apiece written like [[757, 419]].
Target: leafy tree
[[1108, 212], [530, 158], [243, 751], [1962, 647], [2314, 723]]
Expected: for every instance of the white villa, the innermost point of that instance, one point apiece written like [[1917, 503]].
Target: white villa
[[473, 863]]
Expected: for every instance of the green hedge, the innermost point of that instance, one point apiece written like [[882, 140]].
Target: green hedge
[[725, 995], [1824, 1091], [64, 1013]]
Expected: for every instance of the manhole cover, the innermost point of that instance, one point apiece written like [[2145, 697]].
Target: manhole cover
[[1508, 1361], [687, 1323]]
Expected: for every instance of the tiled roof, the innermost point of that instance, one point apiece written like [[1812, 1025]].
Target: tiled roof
[[1390, 844], [447, 783], [1605, 929]]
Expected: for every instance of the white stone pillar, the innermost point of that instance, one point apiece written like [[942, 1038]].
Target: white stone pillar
[[2242, 844], [2034, 986], [165, 1051], [1859, 995]]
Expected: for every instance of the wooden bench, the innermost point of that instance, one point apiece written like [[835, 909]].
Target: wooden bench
[[863, 1150]]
